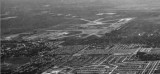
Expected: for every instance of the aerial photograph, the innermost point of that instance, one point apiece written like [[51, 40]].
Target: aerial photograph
[[80, 36]]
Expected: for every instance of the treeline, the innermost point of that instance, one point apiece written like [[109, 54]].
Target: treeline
[[30, 49], [143, 56], [115, 37]]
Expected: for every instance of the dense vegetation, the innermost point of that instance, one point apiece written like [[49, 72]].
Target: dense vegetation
[[147, 57]]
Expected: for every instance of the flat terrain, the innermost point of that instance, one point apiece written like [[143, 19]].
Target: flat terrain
[[80, 37]]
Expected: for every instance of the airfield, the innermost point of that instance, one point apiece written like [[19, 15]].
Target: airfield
[[46, 38], [97, 27]]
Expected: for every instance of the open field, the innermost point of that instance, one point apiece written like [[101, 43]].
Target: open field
[[97, 28]]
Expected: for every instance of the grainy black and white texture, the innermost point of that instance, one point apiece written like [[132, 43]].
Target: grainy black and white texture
[[80, 36]]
